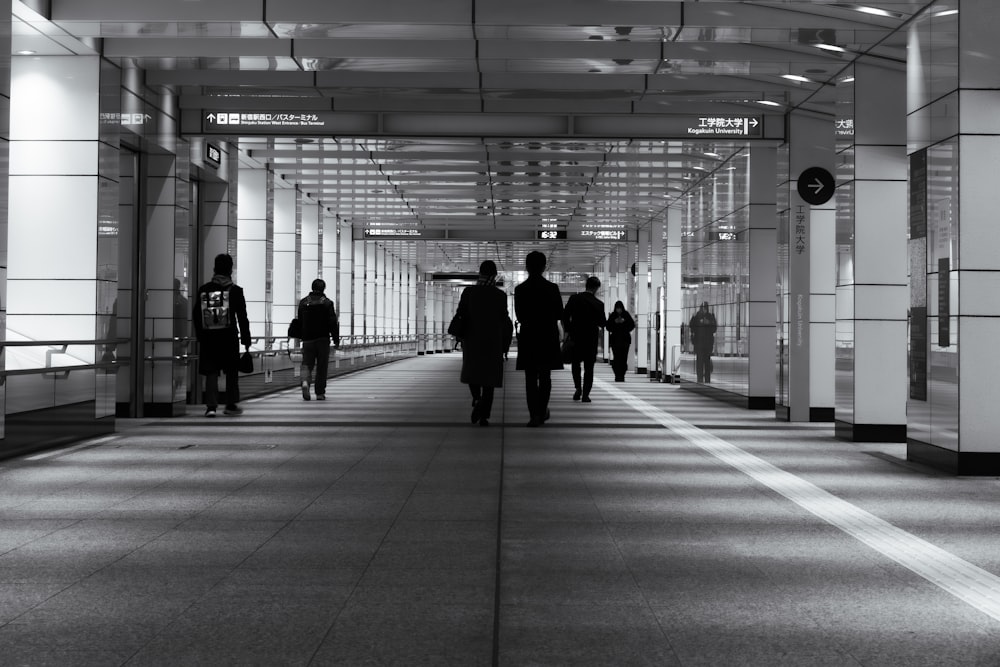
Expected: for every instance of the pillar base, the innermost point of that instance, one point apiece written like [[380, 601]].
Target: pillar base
[[870, 432], [176, 409], [642, 370], [739, 400], [816, 415], [971, 464]]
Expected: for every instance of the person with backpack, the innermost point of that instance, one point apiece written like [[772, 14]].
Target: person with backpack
[[221, 326], [318, 326]]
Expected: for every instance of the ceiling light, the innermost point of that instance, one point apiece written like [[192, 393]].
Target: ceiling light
[[874, 11], [847, 79], [768, 103], [26, 52], [831, 47], [945, 12], [715, 155], [796, 77]]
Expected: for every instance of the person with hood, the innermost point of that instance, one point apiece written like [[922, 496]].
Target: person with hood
[[221, 325], [583, 320], [702, 329], [487, 333], [620, 325], [318, 321], [538, 307]]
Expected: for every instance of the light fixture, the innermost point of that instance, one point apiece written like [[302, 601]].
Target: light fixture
[[945, 12], [831, 47], [847, 79], [796, 77], [26, 52], [768, 103]]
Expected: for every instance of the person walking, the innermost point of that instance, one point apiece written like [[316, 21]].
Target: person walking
[[538, 307], [583, 321], [221, 326], [318, 321], [487, 332], [702, 329], [620, 325]]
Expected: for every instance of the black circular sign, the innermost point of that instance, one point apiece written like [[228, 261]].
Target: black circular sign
[[816, 185]]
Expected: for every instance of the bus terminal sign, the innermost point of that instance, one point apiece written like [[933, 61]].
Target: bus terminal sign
[[271, 122]]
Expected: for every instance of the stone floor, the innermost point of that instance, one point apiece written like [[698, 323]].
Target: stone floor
[[650, 527]]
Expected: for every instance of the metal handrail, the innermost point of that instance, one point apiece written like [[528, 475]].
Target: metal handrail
[[36, 343]]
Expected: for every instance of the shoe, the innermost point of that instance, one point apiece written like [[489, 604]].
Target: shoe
[[484, 422], [534, 422], [305, 390], [233, 410], [577, 394], [320, 397], [586, 399], [475, 412], [210, 412], [546, 417]]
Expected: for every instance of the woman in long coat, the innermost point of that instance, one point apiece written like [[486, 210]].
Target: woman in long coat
[[487, 332], [620, 325]]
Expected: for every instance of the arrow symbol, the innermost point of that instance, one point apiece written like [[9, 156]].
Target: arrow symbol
[[754, 122], [817, 186], [211, 118]]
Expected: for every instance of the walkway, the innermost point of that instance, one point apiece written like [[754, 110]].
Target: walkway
[[650, 527]]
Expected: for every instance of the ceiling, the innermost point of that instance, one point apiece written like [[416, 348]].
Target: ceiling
[[474, 125]]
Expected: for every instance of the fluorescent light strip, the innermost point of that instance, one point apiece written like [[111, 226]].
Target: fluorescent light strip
[[967, 582]]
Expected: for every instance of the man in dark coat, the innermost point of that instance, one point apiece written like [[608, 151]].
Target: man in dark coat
[[583, 322], [318, 320], [487, 335], [702, 331], [221, 325], [538, 307]]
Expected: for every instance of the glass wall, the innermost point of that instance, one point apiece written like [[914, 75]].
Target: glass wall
[[715, 268]]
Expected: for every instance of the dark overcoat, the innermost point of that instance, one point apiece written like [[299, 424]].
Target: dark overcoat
[[488, 331], [219, 349], [620, 332], [584, 321], [538, 307]]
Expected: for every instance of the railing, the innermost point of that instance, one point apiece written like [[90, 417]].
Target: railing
[[63, 346]]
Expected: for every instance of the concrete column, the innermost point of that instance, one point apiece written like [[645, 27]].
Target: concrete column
[[954, 139], [412, 310], [609, 302], [370, 289], [421, 304], [329, 254], [254, 260], [812, 275], [5, 106], [383, 290], [872, 287], [398, 291], [656, 268], [762, 239], [359, 291], [674, 301], [54, 219], [312, 245], [287, 286], [642, 302], [345, 280]]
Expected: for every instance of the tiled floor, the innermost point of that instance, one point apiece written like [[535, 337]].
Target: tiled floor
[[382, 528]]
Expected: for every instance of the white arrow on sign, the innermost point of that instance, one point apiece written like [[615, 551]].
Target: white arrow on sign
[[817, 186], [211, 118], [754, 122]]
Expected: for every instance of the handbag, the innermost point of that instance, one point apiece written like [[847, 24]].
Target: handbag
[[566, 350], [457, 326], [246, 362]]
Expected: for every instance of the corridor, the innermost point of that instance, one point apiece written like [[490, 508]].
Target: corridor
[[650, 527]]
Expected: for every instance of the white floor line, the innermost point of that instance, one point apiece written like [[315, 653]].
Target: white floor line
[[967, 582], [66, 450]]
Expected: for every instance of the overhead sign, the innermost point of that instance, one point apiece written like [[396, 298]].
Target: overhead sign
[[726, 126], [816, 186], [266, 122], [213, 154], [551, 234]]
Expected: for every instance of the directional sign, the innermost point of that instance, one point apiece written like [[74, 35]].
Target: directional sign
[[816, 186]]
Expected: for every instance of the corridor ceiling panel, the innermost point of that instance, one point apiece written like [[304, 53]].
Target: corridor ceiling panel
[[599, 72]]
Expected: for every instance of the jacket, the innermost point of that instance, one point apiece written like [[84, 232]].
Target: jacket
[[583, 320], [318, 318], [620, 332], [219, 349], [538, 307]]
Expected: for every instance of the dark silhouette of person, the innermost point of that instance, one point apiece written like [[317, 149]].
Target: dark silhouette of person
[[221, 325], [583, 321], [488, 332], [620, 325], [538, 307], [702, 328], [318, 319]]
